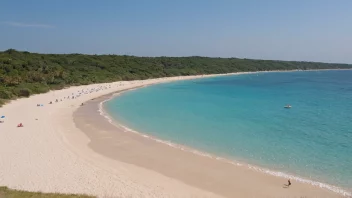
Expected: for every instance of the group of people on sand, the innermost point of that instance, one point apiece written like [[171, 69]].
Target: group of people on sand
[[73, 96], [83, 92], [68, 97]]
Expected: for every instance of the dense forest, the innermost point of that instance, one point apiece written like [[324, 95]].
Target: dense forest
[[24, 73]]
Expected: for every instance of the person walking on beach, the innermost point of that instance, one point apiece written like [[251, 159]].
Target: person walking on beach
[[289, 183]]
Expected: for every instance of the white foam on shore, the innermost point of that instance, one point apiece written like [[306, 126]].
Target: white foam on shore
[[204, 154]]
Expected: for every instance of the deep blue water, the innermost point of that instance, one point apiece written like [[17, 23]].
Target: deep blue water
[[242, 118]]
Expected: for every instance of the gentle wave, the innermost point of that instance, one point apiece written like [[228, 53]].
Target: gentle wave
[[204, 154]]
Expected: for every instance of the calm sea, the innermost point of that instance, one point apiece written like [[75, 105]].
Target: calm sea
[[243, 118]]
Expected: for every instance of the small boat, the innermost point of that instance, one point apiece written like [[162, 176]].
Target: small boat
[[287, 106]]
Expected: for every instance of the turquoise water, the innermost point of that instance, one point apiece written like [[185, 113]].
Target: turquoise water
[[242, 118]]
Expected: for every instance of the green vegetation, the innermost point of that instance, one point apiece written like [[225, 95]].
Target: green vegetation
[[9, 193], [24, 73]]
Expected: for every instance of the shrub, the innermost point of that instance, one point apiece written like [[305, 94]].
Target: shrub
[[23, 92], [5, 94]]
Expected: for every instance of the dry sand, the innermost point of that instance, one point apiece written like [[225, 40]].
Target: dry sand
[[66, 148]]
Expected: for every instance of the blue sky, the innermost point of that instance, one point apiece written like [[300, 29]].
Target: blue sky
[[310, 30]]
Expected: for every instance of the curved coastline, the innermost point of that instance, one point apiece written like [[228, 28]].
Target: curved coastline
[[56, 151], [103, 112], [50, 154]]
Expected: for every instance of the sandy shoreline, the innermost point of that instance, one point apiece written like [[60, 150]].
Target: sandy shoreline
[[121, 128], [71, 149]]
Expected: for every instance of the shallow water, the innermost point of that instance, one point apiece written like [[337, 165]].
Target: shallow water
[[243, 118]]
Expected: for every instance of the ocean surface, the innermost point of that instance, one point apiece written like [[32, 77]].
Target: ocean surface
[[242, 118]]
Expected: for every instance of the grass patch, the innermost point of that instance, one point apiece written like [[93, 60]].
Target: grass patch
[[5, 192]]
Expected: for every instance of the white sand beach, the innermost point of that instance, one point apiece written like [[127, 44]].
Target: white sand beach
[[51, 153]]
